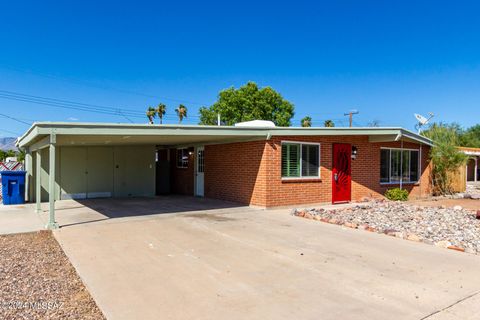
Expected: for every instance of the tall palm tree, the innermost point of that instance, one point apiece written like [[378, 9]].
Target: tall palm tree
[[181, 112], [329, 124], [161, 109], [306, 122], [151, 114]]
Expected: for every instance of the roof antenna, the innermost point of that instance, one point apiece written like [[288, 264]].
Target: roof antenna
[[422, 120]]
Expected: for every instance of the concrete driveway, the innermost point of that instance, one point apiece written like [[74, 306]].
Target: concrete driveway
[[244, 263]]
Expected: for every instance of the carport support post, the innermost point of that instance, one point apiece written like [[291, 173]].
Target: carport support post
[[38, 183], [29, 169], [51, 185]]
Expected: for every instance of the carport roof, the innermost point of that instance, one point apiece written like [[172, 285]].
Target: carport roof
[[68, 133]]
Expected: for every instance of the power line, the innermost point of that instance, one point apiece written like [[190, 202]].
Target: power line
[[14, 119], [67, 104], [8, 131], [102, 87]]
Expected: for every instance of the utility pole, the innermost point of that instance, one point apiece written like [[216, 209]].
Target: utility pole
[[350, 115], [218, 120]]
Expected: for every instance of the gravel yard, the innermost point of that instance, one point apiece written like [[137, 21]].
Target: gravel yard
[[37, 281], [450, 227]]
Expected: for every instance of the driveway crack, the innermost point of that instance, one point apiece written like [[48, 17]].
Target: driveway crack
[[453, 304]]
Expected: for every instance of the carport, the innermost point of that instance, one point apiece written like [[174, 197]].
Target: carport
[[246, 163], [88, 160]]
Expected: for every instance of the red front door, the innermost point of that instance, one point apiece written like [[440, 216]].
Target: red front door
[[341, 173]]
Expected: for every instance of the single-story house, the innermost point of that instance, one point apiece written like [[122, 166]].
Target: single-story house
[[252, 165]]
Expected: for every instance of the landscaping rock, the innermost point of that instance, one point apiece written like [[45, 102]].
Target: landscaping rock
[[456, 248], [441, 226], [413, 237]]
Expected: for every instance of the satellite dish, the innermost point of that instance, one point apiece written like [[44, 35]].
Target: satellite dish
[[422, 120]]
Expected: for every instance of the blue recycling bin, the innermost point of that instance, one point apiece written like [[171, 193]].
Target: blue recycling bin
[[13, 187]]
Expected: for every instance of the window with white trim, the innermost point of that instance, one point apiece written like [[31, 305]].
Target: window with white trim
[[399, 164], [300, 160], [182, 158]]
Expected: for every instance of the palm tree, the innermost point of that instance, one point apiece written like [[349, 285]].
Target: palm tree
[[329, 124], [306, 122], [151, 114], [181, 112], [161, 109]]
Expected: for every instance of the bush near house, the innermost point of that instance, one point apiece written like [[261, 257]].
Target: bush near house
[[445, 155], [396, 194]]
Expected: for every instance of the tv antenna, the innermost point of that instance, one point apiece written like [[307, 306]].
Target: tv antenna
[[350, 115], [422, 120]]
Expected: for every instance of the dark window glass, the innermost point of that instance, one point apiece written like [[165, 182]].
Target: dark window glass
[[414, 166], [182, 158], [395, 165], [310, 160], [406, 165], [385, 165]]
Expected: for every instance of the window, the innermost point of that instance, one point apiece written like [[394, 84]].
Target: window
[[300, 160], [182, 158], [399, 165], [201, 161]]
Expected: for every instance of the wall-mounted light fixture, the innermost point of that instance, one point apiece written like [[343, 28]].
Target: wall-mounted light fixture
[[354, 152]]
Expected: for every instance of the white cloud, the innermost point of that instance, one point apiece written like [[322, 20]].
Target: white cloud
[[72, 119]]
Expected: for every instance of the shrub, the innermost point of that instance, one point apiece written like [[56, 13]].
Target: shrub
[[396, 194], [446, 157]]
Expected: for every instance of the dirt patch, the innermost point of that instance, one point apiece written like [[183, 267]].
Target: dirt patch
[[468, 204], [37, 281]]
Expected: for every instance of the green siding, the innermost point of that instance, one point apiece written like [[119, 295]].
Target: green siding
[[121, 171], [73, 165], [134, 171]]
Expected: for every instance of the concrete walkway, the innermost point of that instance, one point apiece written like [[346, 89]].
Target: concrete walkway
[[177, 261], [19, 219]]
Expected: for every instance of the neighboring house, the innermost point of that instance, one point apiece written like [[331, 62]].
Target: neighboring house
[[259, 166], [473, 164]]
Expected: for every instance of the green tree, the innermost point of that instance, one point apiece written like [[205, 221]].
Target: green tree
[[151, 114], [471, 137], [21, 155], [249, 102], [6, 154], [181, 112], [329, 124], [161, 110], [445, 156], [306, 122]]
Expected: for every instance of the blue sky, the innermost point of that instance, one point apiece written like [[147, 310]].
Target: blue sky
[[388, 60]]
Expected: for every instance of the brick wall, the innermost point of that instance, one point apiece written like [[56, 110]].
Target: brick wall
[[250, 172], [236, 172]]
